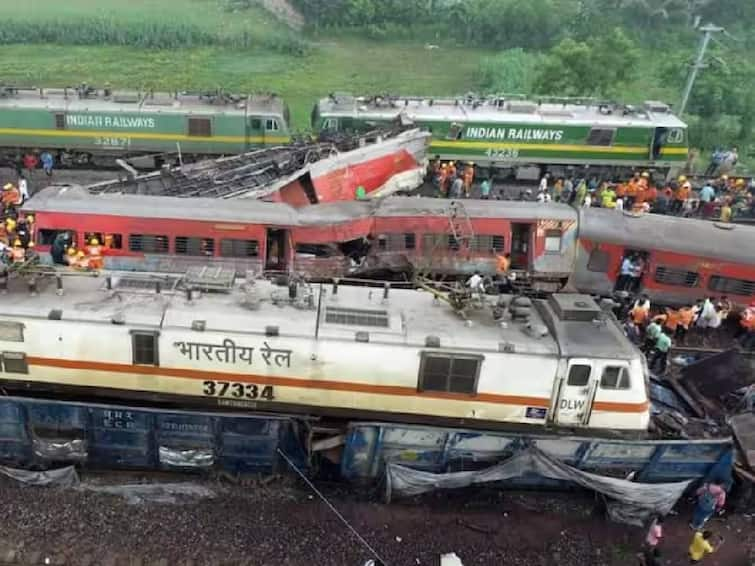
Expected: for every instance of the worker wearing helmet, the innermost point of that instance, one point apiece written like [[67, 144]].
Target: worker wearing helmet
[[451, 170], [94, 252], [70, 258], [81, 260], [11, 196], [443, 180]]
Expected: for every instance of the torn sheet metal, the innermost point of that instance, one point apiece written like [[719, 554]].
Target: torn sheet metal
[[628, 501], [743, 427], [62, 477], [720, 374]]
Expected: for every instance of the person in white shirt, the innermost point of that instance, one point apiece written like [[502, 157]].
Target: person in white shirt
[[23, 188], [544, 183], [588, 201], [619, 204], [475, 283], [541, 196]]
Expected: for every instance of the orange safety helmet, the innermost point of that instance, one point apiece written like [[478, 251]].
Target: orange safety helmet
[[94, 242]]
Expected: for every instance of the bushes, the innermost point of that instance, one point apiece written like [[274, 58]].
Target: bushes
[[510, 72], [151, 34]]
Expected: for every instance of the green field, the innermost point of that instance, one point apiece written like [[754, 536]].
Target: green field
[[346, 65]]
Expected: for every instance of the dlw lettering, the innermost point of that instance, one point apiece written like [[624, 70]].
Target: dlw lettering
[[572, 404]]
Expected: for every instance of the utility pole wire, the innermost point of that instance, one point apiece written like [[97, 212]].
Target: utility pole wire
[[332, 508], [708, 31]]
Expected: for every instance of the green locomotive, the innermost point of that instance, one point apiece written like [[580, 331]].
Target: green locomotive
[[512, 133], [91, 127]]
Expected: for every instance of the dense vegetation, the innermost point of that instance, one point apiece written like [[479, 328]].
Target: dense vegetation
[[629, 50]]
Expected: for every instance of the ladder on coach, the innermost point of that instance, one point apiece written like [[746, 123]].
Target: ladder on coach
[[458, 240]]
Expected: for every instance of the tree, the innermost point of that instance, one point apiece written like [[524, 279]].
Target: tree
[[599, 67]]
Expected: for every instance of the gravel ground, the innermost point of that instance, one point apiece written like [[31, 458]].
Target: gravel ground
[[283, 524]]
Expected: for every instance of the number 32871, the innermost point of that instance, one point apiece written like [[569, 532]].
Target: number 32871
[[238, 390]]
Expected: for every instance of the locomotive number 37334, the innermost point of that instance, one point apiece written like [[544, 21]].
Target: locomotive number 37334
[[238, 390]]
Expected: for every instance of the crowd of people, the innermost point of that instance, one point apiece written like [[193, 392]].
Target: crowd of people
[[722, 197], [657, 331]]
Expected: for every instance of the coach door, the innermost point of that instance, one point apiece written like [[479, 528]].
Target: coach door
[[276, 249], [520, 245], [576, 393]]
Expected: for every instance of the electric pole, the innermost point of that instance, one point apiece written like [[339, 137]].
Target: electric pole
[[708, 31]]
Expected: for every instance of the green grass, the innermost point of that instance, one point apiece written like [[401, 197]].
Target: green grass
[[347, 65]]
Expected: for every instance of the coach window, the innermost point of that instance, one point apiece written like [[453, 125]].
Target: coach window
[[679, 277], [487, 243], [60, 121], [109, 241], [239, 248], [553, 241], [271, 125], [601, 136], [148, 243], [731, 286], [598, 261], [449, 373], [200, 127], [15, 362], [578, 376], [46, 237], [614, 378], [144, 348], [186, 245]]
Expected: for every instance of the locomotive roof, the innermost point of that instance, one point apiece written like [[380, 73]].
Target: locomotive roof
[[74, 199], [410, 315], [731, 242], [492, 110], [59, 99]]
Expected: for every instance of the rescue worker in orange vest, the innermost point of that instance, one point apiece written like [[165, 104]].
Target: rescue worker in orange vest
[[18, 253], [639, 315], [621, 191], [81, 261], [94, 253], [686, 318], [11, 197], [70, 258], [468, 178], [502, 266]]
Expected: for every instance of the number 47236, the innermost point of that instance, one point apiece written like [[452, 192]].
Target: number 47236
[[238, 390]]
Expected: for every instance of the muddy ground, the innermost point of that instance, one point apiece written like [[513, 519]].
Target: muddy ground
[[282, 523]]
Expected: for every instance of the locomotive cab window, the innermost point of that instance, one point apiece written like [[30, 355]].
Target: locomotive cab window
[[449, 373], [579, 375], [271, 125], [614, 378], [15, 362], [200, 127], [455, 131], [144, 348], [601, 136]]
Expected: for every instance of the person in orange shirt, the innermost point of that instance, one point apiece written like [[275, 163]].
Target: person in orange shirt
[[639, 315], [632, 188], [94, 251], [468, 178], [686, 318]]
